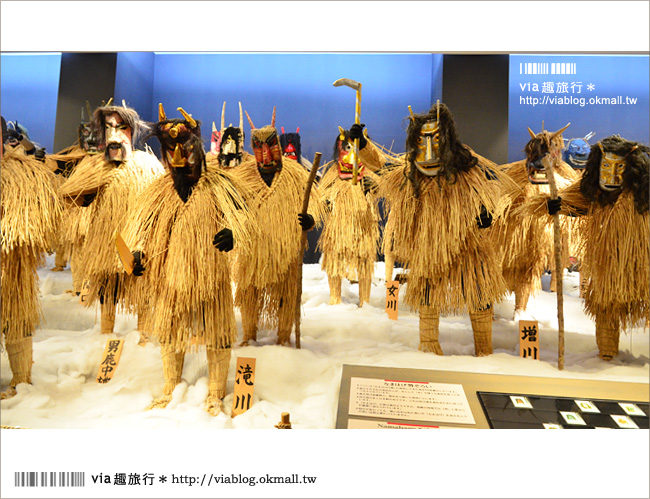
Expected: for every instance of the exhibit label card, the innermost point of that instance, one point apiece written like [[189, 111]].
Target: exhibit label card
[[528, 339], [244, 385], [410, 400], [364, 424], [111, 358], [392, 297]]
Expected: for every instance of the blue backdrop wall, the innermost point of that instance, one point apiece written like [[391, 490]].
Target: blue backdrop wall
[[29, 86], [604, 94]]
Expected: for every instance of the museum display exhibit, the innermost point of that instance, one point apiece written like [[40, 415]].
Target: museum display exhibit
[[375, 240]]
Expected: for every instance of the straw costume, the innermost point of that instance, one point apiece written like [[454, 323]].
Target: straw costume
[[28, 187], [612, 198], [440, 200], [525, 240], [108, 185], [177, 222], [267, 279], [350, 236], [74, 220]]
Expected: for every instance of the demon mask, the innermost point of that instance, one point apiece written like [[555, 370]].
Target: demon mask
[[343, 154], [576, 152], [266, 146], [181, 148], [228, 143], [290, 144], [538, 147], [117, 129]]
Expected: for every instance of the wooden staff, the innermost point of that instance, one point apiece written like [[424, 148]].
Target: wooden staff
[[557, 240], [303, 243]]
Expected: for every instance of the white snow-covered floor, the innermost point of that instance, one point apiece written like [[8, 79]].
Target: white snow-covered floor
[[304, 382]]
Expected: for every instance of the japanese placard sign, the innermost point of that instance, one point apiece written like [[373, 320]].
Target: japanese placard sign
[[409, 400], [392, 296], [244, 385], [110, 359], [528, 339], [85, 291]]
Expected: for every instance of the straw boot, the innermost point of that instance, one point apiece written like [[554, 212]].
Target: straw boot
[[607, 336], [108, 316], [482, 328], [335, 289], [522, 294], [365, 283], [250, 315], [142, 327], [218, 365], [286, 317], [60, 260], [429, 330], [172, 370], [20, 361]]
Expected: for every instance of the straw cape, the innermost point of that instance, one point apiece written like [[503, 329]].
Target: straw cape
[[615, 241], [525, 241], [451, 264], [116, 189], [350, 237], [266, 278], [30, 214], [188, 278]]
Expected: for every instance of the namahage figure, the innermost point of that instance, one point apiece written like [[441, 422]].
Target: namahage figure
[[525, 240], [612, 199], [173, 230], [108, 186], [350, 237], [267, 279], [27, 187], [440, 200]]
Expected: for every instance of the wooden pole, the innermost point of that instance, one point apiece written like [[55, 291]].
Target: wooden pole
[[557, 237], [303, 243]]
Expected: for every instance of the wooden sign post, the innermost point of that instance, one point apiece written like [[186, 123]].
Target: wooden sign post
[[244, 385], [528, 339], [392, 298], [111, 358]]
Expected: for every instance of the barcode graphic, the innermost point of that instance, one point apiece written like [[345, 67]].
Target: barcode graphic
[[544, 68], [49, 479]]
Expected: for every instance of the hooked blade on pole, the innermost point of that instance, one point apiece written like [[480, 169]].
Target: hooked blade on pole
[[348, 83]]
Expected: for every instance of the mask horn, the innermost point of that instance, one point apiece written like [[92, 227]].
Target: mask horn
[[241, 118], [123, 103], [109, 102], [297, 129], [411, 113], [214, 127], [273, 117], [341, 134], [187, 117], [161, 113], [282, 129], [560, 131], [250, 121], [438, 110], [223, 113], [532, 134]]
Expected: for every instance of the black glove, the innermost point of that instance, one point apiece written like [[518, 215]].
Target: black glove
[[306, 221], [39, 154], [554, 205], [138, 268], [88, 198], [224, 241], [356, 132], [484, 220], [368, 184]]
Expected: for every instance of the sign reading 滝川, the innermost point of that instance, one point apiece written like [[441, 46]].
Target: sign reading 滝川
[[110, 359], [392, 297], [528, 339], [244, 385]]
